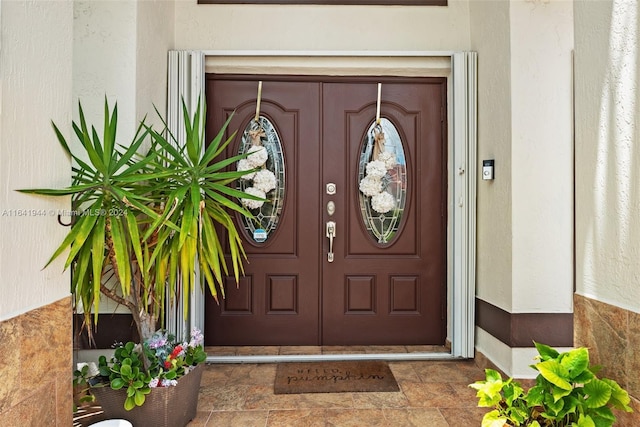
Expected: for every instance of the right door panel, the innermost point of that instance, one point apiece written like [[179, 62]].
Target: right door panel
[[377, 293]]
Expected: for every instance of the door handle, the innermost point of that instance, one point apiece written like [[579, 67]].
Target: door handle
[[331, 233]]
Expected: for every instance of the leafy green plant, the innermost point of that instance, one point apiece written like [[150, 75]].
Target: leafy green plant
[[567, 392], [145, 221], [81, 389], [167, 361], [127, 371]]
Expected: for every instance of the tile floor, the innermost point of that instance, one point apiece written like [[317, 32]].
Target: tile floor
[[433, 394]]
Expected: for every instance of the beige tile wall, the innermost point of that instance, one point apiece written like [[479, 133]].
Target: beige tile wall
[[36, 367], [612, 335]]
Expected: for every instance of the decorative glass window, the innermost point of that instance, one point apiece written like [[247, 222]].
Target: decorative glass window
[[382, 177], [265, 178]]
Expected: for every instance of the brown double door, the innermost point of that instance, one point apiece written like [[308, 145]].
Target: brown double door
[[371, 293]]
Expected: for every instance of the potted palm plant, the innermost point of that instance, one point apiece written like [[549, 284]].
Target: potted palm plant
[[144, 221]]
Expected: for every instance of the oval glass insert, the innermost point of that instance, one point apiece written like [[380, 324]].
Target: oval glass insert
[[267, 179], [382, 178]]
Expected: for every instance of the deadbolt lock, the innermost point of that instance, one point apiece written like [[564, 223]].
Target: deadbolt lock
[[331, 189]]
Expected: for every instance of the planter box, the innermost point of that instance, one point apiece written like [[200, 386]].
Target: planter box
[[163, 407]]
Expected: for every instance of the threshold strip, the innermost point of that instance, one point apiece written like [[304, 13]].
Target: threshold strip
[[282, 358]]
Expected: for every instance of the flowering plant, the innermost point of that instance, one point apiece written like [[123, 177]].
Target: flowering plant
[[158, 362]]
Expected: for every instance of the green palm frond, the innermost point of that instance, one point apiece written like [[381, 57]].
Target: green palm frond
[[146, 218], [201, 179]]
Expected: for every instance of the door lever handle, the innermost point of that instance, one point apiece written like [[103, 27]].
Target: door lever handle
[[331, 233]]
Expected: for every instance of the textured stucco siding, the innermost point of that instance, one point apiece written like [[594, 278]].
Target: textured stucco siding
[[607, 155], [35, 61]]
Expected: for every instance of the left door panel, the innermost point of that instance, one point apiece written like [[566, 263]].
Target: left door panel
[[276, 302]]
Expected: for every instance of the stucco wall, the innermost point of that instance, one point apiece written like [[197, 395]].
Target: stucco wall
[[542, 156], [490, 27], [155, 33], [525, 114], [35, 61], [120, 51], [35, 306], [607, 139], [104, 60], [310, 27]]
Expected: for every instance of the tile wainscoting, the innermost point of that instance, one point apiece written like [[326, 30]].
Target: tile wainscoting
[[612, 335], [36, 367]]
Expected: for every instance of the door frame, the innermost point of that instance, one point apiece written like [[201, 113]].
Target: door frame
[[186, 79]]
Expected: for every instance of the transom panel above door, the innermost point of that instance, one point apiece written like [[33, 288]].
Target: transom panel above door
[[358, 251]]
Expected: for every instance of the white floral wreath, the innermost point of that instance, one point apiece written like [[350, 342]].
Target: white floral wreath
[[263, 180], [372, 185]]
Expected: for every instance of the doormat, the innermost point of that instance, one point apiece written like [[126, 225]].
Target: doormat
[[334, 377]]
